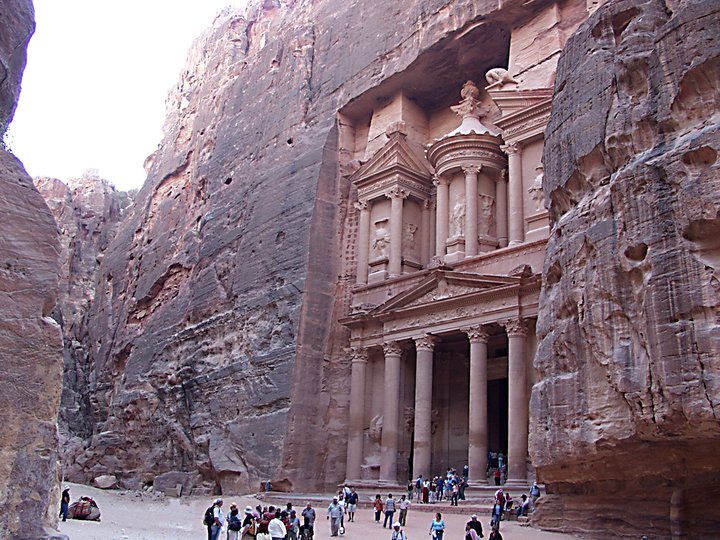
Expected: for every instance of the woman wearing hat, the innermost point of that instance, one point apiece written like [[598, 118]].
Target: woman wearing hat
[[249, 525]]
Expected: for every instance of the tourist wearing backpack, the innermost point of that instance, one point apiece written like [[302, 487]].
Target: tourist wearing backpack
[[249, 525], [234, 523]]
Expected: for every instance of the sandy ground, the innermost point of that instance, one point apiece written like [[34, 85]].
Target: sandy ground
[[131, 516]]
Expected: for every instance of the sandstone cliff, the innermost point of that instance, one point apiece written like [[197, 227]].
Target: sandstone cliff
[[624, 426], [30, 340], [215, 358]]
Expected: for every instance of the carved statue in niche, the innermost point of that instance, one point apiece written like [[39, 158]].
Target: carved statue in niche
[[457, 219], [375, 430], [381, 240], [486, 208], [536, 190], [409, 417], [409, 237], [373, 436]]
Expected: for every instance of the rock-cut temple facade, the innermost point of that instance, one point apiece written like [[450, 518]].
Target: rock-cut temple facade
[[449, 229]]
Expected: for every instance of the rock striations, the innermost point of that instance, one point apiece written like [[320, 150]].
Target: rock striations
[[30, 340], [624, 426]]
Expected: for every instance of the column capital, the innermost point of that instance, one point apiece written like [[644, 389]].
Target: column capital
[[428, 204], [477, 334], [516, 327], [391, 348], [512, 147], [359, 355], [426, 342], [439, 180], [362, 205], [471, 169], [503, 176], [396, 193]]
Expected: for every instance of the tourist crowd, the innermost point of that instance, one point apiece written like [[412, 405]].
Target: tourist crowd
[[271, 523]]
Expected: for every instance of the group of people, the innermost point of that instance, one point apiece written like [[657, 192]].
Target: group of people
[[450, 487], [504, 502], [260, 523]]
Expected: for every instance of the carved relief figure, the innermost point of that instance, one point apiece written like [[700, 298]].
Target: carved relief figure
[[410, 238], [486, 208], [536, 190], [381, 240], [457, 219]]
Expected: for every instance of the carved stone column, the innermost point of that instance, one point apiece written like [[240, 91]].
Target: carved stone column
[[516, 218], [389, 441], [396, 196], [425, 246], [422, 445], [363, 246], [478, 432], [441, 214], [471, 210], [358, 358], [517, 402], [501, 215]]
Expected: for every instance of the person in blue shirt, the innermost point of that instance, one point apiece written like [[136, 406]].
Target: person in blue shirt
[[437, 527]]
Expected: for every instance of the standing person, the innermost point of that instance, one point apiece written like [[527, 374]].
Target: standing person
[[534, 494], [249, 526], [470, 533], [497, 476], [309, 516], [410, 490], [455, 492], [496, 514], [419, 482], [389, 510], [463, 485], [475, 525], [262, 533], [234, 523], [293, 526], [378, 506], [437, 527], [352, 501], [398, 533], [495, 533], [404, 507], [219, 519], [65, 503], [335, 512], [277, 529], [346, 491], [341, 502]]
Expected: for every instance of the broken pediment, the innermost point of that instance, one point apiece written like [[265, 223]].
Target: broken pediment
[[398, 160], [443, 285]]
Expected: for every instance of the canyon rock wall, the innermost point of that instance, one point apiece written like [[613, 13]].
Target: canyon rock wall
[[88, 211], [624, 427], [213, 355], [30, 340]]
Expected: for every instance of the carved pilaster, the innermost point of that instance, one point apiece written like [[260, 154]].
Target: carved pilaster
[[426, 342], [358, 355]]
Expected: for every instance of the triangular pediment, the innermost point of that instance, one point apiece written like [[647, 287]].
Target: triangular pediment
[[395, 157], [442, 285]]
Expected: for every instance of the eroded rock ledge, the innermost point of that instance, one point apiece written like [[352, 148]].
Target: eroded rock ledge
[[624, 427]]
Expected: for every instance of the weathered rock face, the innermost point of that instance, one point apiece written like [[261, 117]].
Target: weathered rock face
[[626, 412], [87, 210], [214, 352], [30, 340]]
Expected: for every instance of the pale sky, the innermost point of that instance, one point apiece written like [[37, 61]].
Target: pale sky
[[98, 72]]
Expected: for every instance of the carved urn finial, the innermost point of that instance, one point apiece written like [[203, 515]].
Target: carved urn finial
[[469, 107]]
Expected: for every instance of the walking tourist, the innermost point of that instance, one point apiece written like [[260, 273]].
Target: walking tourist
[[389, 510], [404, 507], [334, 514], [65, 503], [378, 506], [398, 533], [437, 527], [475, 525], [495, 533], [455, 490], [352, 501], [309, 516]]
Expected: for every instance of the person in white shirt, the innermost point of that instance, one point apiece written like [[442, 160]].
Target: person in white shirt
[[398, 533], [404, 506], [335, 513], [277, 529], [219, 519]]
